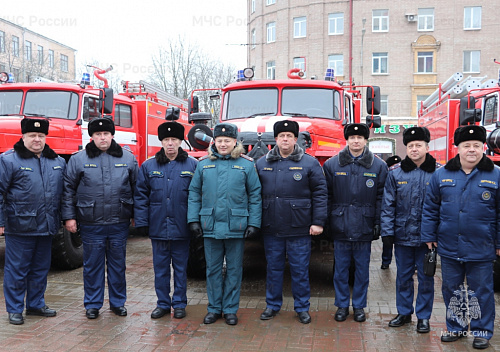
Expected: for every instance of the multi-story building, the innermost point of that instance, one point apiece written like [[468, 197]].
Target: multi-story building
[[29, 55], [406, 47]]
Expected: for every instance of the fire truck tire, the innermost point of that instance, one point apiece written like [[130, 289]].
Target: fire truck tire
[[67, 250], [197, 266], [496, 274]]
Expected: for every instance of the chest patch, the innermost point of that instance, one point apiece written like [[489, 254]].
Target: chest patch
[[486, 195], [370, 183], [90, 165], [297, 176]]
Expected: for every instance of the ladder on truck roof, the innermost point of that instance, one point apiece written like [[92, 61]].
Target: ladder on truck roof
[[144, 88]]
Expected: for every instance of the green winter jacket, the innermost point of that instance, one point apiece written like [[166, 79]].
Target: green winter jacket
[[224, 195]]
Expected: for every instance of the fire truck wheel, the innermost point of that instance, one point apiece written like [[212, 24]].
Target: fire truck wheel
[[67, 250], [197, 266], [496, 274]]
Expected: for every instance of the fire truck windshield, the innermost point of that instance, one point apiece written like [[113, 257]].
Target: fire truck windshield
[[311, 102], [10, 102], [251, 102], [58, 104]]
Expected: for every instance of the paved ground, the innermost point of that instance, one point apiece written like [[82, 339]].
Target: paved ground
[[71, 331]]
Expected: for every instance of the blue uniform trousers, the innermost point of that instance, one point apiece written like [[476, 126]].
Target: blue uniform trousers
[[298, 251], [343, 251], [480, 309], [164, 253], [406, 260], [224, 293], [27, 263], [104, 245], [386, 254]]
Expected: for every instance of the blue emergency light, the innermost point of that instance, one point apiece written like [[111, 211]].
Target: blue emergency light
[[330, 74], [85, 79]]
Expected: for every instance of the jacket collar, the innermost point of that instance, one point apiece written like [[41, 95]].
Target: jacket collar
[[114, 150], [429, 164], [24, 153], [235, 154], [274, 154], [485, 164], [161, 158], [366, 160]]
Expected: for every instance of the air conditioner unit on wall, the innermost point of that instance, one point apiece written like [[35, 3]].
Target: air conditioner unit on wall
[[411, 17]]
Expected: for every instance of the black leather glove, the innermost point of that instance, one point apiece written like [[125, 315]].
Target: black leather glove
[[376, 232], [142, 231], [196, 230], [388, 241], [251, 232]]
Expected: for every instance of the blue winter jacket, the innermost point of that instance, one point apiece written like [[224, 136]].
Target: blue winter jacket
[[462, 212], [99, 186], [294, 193], [403, 200], [161, 195], [31, 189], [224, 195], [355, 190]]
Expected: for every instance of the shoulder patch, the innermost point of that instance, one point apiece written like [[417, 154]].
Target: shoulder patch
[[244, 156], [204, 157]]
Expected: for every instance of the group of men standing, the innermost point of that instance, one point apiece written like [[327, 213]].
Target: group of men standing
[[225, 197]]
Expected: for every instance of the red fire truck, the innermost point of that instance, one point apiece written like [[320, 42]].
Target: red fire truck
[[459, 102], [321, 108], [137, 112]]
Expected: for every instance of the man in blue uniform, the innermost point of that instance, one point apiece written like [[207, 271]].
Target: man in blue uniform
[[355, 179], [294, 202], [461, 217], [160, 208], [401, 218], [31, 184], [98, 193], [224, 207]]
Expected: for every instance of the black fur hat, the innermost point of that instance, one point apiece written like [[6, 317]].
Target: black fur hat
[[34, 125], [469, 133], [416, 134], [226, 130], [356, 129], [170, 129], [286, 126], [101, 124], [392, 160]]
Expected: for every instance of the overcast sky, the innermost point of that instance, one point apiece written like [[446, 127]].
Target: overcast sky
[[127, 33]]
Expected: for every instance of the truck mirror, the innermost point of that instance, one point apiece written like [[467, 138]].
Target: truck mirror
[[172, 113], [468, 113], [86, 110], [106, 100], [373, 100], [373, 121], [193, 106]]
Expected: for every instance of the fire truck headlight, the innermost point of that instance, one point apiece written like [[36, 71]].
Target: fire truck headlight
[[248, 73], [6, 77]]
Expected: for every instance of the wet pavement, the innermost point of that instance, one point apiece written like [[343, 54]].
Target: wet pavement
[[70, 330]]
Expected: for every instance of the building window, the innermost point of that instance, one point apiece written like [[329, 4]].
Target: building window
[[380, 20], [40, 55], [424, 62], [253, 38], [15, 45], [336, 61], [271, 32], [299, 27], [384, 103], [379, 63], [271, 69], [425, 19], [270, 2], [471, 60], [2, 42], [16, 73], [300, 62], [472, 17], [27, 50], [64, 63], [420, 99], [51, 58], [336, 23], [252, 9]]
